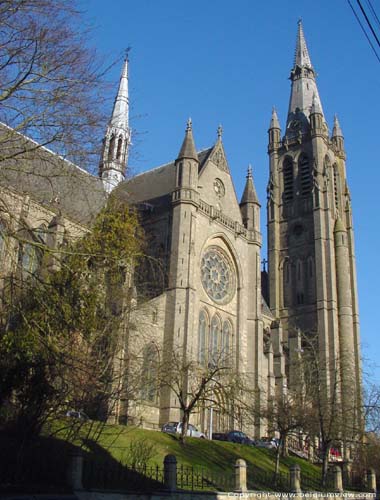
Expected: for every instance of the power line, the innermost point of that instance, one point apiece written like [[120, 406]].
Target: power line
[[373, 11], [364, 31], [368, 22]]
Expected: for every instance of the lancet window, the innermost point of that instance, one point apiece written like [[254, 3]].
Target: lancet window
[[288, 179]]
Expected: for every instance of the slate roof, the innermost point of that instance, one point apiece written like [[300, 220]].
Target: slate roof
[[157, 182], [49, 179]]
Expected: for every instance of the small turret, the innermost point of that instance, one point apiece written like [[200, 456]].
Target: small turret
[[188, 147], [316, 117], [337, 136], [249, 205], [274, 132], [118, 137], [187, 161]]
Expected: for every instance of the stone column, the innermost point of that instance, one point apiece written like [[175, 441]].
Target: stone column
[[170, 472], [240, 476], [74, 475], [338, 483], [370, 480], [295, 478]]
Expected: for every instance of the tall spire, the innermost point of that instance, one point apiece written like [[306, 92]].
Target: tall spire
[[301, 57], [118, 137], [188, 147], [304, 88], [120, 113]]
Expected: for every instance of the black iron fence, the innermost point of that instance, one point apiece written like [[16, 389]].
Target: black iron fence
[[34, 469], [260, 479], [113, 475], [314, 482], [30, 469], [198, 478]]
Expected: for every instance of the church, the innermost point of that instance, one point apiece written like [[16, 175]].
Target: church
[[211, 294]]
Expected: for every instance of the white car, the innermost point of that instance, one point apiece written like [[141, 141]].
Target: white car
[[176, 428]]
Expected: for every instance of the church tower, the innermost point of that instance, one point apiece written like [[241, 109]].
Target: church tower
[[118, 137], [312, 274]]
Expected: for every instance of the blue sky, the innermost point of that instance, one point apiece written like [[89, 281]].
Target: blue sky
[[224, 62]]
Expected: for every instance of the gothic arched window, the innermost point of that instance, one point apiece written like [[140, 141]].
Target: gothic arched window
[[288, 179], [226, 340], [215, 334], [286, 282], [149, 373], [304, 175], [111, 148], [203, 332], [29, 258], [119, 146]]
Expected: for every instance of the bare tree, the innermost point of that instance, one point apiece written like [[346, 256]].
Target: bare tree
[[324, 411], [51, 81], [194, 384]]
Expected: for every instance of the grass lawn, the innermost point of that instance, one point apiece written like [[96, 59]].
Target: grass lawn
[[217, 456]]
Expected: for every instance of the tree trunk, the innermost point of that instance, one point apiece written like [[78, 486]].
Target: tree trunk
[[325, 464], [185, 426], [277, 466]]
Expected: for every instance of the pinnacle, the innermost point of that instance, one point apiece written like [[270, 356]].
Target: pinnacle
[[274, 123], [337, 131], [188, 147], [249, 195], [316, 105]]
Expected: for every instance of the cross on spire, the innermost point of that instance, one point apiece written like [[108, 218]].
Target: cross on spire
[[220, 132]]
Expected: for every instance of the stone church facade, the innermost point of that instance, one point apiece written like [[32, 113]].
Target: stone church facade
[[210, 294]]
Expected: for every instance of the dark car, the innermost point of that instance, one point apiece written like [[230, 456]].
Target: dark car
[[239, 437], [219, 436]]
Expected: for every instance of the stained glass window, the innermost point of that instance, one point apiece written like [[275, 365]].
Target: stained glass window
[[202, 337], [217, 275], [226, 339], [215, 334]]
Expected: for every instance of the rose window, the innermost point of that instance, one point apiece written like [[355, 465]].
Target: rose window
[[218, 278]]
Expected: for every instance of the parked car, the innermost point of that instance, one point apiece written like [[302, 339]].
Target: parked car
[[77, 414], [269, 443], [176, 428], [239, 437], [219, 436]]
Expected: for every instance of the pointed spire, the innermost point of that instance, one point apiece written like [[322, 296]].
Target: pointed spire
[[304, 93], [301, 57], [120, 114], [188, 147], [316, 105], [337, 131], [274, 123], [249, 194], [117, 139]]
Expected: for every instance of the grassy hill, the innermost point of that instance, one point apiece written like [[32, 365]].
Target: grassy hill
[[113, 447], [124, 443]]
